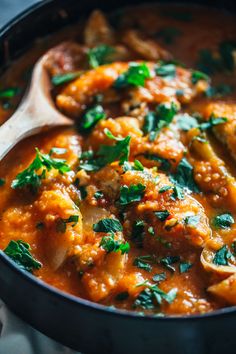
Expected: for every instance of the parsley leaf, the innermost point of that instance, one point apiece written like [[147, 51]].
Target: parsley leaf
[[168, 71], [159, 277], [98, 195], [61, 223], [19, 252], [153, 296], [99, 55], [213, 121], [64, 78], [42, 162], [138, 232], [164, 164], [109, 244], [168, 261], [198, 75], [133, 193], [91, 117], [184, 176], [184, 267], [162, 215], [2, 181], [143, 262], [107, 154], [134, 76], [223, 221], [108, 225], [222, 256], [9, 92]]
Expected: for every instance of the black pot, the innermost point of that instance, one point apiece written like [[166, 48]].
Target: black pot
[[77, 323]]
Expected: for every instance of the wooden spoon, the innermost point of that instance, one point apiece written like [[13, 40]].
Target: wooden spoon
[[36, 112]]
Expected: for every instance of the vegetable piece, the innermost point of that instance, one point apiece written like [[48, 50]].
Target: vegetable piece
[[61, 79], [133, 193], [134, 76], [144, 262], [162, 215], [223, 221], [19, 252], [61, 223], [91, 117], [42, 163], [184, 267], [198, 75], [108, 225], [222, 256], [109, 244], [100, 55]]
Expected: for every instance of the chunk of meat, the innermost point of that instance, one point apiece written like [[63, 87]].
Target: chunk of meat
[[175, 227], [53, 209], [225, 290], [146, 48], [97, 30], [66, 57]]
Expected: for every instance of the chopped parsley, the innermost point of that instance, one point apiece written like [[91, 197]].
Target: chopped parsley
[[153, 296], [41, 163], [98, 195], [134, 76], [19, 252], [165, 188], [136, 167], [184, 267], [83, 192], [199, 75], [108, 225], [164, 164], [168, 261], [92, 117], [162, 117], [9, 92], [109, 244], [223, 221], [212, 122], [159, 277], [61, 79], [62, 223], [177, 193], [106, 154], [168, 71], [162, 215], [144, 262], [133, 193], [184, 176], [222, 256], [138, 233], [100, 55]]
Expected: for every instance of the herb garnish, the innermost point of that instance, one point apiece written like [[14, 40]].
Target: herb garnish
[[134, 76], [108, 225], [138, 232], [98, 195], [91, 118], [159, 277], [61, 79], [109, 244], [9, 92], [100, 55], [168, 261], [19, 252], [62, 223], [184, 176], [133, 193], [144, 262], [164, 164], [223, 221], [198, 75], [168, 71], [184, 267], [222, 256], [153, 296], [192, 220], [106, 154], [42, 163], [2, 181], [162, 215]]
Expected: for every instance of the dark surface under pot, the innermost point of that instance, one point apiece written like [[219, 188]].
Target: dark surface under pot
[[77, 323]]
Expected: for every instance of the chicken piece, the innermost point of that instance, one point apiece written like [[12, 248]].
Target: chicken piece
[[54, 208], [176, 227], [226, 289], [146, 48], [64, 58], [75, 96], [98, 30], [224, 132], [166, 145]]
